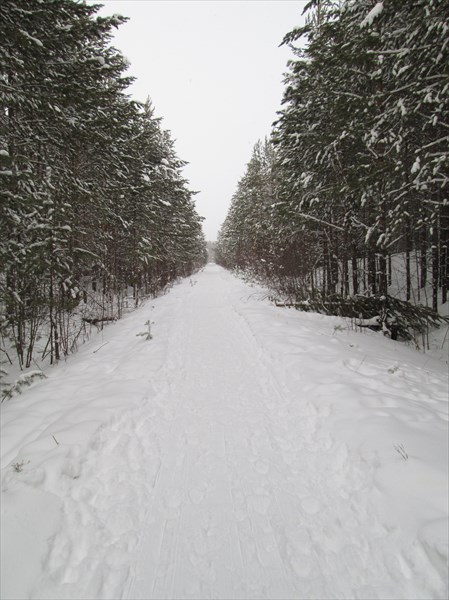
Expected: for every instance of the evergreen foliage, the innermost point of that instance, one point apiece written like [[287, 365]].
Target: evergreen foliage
[[93, 201], [359, 157]]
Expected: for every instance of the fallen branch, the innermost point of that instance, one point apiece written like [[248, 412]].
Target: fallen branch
[[96, 321], [100, 347], [289, 304], [396, 318]]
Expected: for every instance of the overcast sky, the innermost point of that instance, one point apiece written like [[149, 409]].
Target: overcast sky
[[214, 72]]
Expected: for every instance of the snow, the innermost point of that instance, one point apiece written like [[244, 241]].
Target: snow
[[31, 38], [373, 322], [245, 451], [116, 20], [416, 165], [401, 107], [373, 14], [99, 59]]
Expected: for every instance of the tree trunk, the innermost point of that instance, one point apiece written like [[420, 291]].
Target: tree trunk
[[444, 252], [355, 275], [423, 246], [382, 274], [372, 271], [408, 247], [435, 267], [390, 278]]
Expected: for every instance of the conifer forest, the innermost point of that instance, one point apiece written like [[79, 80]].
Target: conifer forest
[[93, 200], [356, 171], [261, 414], [353, 175]]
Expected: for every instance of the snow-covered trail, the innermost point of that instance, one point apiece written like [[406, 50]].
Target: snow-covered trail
[[244, 452]]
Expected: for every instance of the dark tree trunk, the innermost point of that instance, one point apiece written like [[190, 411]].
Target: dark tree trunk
[[390, 279], [408, 247], [423, 246], [444, 252], [435, 268], [372, 271], [355, 275]]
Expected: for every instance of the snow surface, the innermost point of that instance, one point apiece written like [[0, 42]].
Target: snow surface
[[373, 14], [246, 451]]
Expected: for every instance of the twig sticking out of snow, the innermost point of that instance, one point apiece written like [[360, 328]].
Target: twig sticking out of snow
[[146, 334], [100, 347], [401, 450]]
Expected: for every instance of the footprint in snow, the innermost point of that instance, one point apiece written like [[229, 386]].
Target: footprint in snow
[[196, 496], [261, 504], [261, 467], [173, 501], [303, 565], [310, 506]]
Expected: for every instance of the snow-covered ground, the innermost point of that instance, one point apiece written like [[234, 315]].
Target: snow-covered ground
[[245, 451]]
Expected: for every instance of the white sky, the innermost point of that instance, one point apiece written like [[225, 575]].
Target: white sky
[[214, 72]]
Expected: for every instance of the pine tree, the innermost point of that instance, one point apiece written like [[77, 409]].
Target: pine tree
[[91, 190]]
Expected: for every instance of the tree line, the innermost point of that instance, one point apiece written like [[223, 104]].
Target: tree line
[[356, 170], [93, 200]]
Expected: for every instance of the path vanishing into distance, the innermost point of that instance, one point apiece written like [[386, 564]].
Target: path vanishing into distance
[[245, 451]]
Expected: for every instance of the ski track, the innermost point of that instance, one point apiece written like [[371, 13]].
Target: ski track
[[220, 479]]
